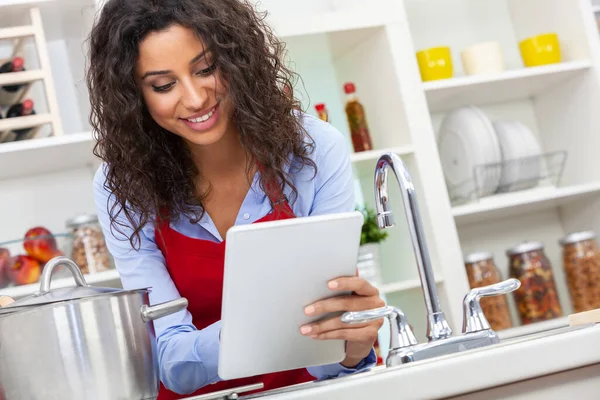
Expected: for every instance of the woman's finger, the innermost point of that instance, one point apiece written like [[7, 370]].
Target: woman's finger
[[364, 334], [327, 325], [354, 284], [344, 303]]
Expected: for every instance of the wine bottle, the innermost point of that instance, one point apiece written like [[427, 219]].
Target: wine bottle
[[21, 110], [16, 65]]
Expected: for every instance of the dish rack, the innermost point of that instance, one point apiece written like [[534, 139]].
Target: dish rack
[[550, 166]]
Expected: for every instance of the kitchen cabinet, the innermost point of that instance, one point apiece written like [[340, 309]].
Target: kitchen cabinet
[[48, 181]]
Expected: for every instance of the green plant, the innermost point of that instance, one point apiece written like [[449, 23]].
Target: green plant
[[370, 230]]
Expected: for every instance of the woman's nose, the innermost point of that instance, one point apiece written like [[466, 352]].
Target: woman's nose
[[194, 96]]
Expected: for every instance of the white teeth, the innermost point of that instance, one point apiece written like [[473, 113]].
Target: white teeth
[[204, 118]]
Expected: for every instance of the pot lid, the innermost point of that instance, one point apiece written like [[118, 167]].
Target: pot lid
[[577, 237], [46, 295]]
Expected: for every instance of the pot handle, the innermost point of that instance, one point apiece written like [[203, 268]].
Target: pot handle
[[150, 313], [46, 278]]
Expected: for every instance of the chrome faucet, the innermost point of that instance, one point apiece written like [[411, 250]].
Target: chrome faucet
[[403, 344], [437, 326]]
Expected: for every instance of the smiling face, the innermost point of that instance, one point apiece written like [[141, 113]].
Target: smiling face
[[182, 87]]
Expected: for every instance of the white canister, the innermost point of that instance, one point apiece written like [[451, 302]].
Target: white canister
[[483, 58]]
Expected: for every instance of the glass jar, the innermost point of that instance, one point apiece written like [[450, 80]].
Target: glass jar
[[537, 298], [482, 271], [89, 249], [581, 262]]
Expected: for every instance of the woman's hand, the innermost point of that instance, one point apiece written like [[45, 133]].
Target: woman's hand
[[359, 337], [5, 300]]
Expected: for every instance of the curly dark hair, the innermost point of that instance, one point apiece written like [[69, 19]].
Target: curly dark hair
[[151, 169]]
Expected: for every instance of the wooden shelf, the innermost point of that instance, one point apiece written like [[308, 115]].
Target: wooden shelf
[[21, 77], [109, 278], [375, 154], [405, 285], [443, 95], [30, 121], [336, 21], [45, 155], [517, 203]]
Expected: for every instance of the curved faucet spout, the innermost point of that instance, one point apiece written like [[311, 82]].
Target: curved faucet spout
[[437, 326]]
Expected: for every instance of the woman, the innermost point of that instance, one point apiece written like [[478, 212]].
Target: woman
[[197, 135]]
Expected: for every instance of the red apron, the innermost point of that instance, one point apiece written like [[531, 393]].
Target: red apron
[[196, 266]]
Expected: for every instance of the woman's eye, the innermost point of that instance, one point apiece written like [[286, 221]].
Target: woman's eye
[[164, 88], [207, 71]]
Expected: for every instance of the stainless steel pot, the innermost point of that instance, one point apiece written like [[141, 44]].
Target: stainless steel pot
[[80, 343]]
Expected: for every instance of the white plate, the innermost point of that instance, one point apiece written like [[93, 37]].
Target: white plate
[[531, 166], [491, 152], [512, 150], [460, 151]]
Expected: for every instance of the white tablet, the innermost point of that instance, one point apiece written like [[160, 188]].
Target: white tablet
[[273, 270]]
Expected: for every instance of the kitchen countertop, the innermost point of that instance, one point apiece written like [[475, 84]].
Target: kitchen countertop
[[513, 360]]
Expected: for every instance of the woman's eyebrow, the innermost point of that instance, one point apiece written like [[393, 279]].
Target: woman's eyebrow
[[165, 72]]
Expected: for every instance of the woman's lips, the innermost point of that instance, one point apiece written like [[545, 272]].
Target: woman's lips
[[203, 122]]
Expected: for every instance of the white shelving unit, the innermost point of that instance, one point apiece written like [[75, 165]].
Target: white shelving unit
[[332, 42], [42, 156], [511, 85], [514, 204], [373, 155], [405, 285]]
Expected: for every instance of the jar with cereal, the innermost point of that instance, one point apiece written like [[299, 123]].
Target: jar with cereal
[[89, 249], [482, 271], [581, 261], [537, 298]]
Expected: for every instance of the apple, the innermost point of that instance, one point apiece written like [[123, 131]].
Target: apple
[[40, 244], [4, 265], [24, 270]]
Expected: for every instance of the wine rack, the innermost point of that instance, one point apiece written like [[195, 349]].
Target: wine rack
[[19, 35]]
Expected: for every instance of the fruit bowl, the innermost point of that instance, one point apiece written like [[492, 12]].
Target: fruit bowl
[[22, 260]]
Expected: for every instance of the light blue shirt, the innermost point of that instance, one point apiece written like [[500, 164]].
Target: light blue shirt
[[188, 357]]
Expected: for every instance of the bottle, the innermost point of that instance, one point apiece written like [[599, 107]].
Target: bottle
[[482, 271], [357, 121], [581, 263], [322, 112], [537, 298], [16, 65], [21, 110]]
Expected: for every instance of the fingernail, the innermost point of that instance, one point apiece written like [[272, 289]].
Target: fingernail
[[333, 284], [309, 310], [306, 329]]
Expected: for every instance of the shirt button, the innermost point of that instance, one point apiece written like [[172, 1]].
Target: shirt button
[[246, 216]]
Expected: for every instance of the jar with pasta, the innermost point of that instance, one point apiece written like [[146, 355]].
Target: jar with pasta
[[537, 298], [482, 271], [581, 262], [89, 249]]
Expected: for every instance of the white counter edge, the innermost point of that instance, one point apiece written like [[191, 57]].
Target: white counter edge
[[465, 372]]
